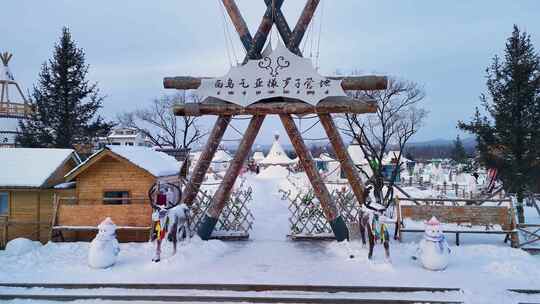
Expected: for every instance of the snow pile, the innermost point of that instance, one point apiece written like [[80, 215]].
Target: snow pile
[[349, 250], [198, 251], [20, 246], [273, 172], [25, 167]]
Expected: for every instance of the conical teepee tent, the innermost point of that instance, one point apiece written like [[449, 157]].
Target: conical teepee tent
[[277, 156], [13, 105]]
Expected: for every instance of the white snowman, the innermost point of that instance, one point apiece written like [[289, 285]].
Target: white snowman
[[433, 250], [104, 247]]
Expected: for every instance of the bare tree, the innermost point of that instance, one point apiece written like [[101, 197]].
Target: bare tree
[[397, 119], [159, 124]]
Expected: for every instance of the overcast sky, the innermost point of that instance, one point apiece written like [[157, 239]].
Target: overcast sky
[[132, 45]]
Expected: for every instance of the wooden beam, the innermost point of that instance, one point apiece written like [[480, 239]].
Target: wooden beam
[[278, 105], [262, 32], [239, 23], [343, 156], [302, 25], [350, 83], [221, 196], [197, 177], [319, 188]]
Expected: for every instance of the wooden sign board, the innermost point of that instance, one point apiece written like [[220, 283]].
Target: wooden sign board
[[280, 73]]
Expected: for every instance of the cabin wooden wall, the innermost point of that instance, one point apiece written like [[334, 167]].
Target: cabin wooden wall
[[29, 214], [110, 174]]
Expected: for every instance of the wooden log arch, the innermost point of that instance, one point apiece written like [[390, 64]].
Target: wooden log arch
[[284, 107]]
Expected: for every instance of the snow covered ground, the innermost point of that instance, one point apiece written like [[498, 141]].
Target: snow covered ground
[[483, 267]]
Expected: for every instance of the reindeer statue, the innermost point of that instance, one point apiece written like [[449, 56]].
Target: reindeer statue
[[169, 217], [372, 219]]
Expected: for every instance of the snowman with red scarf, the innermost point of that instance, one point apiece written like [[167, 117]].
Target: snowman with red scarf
[[433, 250]]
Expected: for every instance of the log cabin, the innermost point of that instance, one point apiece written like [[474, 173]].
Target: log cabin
[[113, 182], [27, 180]]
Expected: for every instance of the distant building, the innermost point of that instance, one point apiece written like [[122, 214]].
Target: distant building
[[359, 159], [220, 162], [124, 137], [13, 104]]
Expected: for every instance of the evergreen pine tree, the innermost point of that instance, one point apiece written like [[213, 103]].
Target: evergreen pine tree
[[64, 104], [458, 153], [509, 136]]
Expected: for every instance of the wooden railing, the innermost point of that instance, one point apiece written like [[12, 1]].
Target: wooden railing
[[531, 235], [14, 109]]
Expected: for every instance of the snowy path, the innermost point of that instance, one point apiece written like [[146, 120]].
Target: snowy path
[[483, 270]]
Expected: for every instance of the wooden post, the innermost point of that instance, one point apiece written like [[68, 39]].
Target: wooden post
[[38, 217], [192, 188], [397, 232], [239, 23], [56, 204], [343, 156], [4, 232], [514, 236], [223, 192], [329, 207], [262, 32], [301, 26]]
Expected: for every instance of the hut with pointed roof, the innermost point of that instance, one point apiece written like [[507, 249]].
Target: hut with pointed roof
[[28, 180], [13, 103], [114, 182], [277, 156]]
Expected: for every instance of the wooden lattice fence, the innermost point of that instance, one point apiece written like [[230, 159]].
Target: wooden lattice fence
[[307, 219], [236, 219], [529, 236]]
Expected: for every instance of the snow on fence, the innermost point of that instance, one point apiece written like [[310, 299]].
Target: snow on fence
[[236, 219], [307, 219]]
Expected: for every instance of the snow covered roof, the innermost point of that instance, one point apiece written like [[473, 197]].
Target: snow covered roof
[[276, 155], [258, 156], [221, 156], [154, 162], [357, 155], [393, 155], [31, 167], [325, 158]]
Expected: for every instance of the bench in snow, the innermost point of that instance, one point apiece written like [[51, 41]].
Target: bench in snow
[[459, 216]]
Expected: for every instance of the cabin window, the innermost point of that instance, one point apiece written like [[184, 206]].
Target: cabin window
[[4, 203], [116, 197]]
